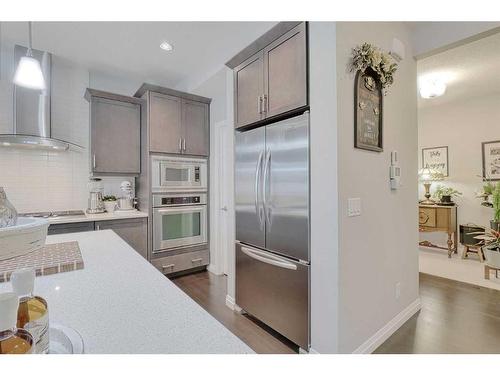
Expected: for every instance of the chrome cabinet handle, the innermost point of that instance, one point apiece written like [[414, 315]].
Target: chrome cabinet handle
[[196, 260], [180, 144], [168, 266], [257, 184], [264, 109], [269, 259], [184, 144], [93, 161], [259, 105]]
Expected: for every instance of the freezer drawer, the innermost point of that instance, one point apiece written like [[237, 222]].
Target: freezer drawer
[[275, 290]]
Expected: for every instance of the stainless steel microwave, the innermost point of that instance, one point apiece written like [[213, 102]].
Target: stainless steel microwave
[[171, 174]]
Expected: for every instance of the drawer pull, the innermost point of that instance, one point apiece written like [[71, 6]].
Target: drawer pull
[[196, 260], [168, 266]]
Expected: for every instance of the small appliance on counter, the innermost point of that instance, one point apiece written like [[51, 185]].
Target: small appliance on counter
[[127, 201], [96, 205]]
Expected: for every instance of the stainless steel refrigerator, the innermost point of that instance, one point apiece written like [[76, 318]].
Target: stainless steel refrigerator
[[272, 225]]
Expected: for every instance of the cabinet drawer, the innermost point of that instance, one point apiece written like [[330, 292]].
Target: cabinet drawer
[[427, 217], [181, 262]]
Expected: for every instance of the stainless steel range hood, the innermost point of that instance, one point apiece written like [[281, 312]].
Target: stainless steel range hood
[[32, 122]]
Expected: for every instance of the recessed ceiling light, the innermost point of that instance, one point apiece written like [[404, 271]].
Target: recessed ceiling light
[[166, 46]]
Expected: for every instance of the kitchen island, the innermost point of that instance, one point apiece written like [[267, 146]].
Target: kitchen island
[[120, 303]]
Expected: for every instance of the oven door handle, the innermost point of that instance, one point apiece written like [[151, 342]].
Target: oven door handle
[[194, 207], [267, 258]]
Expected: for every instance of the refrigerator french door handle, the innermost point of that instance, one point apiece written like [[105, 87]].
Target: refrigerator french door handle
[[258, 210], [266, 177], [269, 259]]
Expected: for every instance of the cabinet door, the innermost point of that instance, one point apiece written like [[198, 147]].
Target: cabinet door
[[133, 231], [285, 67], [115, 136], [195, 125], [248, 88], [165, 123]]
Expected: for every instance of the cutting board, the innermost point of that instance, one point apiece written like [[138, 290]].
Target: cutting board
[[50, 259]]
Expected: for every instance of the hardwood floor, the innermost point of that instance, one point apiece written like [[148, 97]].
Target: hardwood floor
[[209, 291], [455, 318]]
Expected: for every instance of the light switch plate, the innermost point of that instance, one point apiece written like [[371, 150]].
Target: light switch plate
[[353, 206]]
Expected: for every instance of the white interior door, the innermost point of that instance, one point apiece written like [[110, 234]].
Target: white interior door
[[222, 223]]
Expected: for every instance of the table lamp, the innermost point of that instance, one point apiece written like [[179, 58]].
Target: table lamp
[[427, 176]]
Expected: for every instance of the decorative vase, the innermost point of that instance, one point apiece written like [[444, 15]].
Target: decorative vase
[[8, 214], [110, 206], [492, 255]]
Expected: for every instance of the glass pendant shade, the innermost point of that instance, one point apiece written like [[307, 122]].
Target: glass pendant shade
[[29, 74]]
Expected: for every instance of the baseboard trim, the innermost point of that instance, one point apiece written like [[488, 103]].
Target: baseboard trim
[[386, 331], [230, 302], [312, 351]]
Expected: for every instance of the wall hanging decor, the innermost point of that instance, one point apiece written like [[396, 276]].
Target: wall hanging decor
[[436, 158], [374, 74], [491, 160]]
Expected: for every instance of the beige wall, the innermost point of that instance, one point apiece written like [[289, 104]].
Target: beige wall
[[379, 248], [462, 126]]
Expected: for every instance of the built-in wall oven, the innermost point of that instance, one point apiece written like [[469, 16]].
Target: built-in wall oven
[[178, 174], [179, 220]]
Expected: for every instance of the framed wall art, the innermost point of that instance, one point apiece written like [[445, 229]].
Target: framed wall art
[[436, 158], [368, 111], [491, 160]]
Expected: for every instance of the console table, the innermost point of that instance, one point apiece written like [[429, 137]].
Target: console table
[[436, 218]]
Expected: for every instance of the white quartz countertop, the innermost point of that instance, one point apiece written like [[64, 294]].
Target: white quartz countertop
[[98, 217], [120, 303]]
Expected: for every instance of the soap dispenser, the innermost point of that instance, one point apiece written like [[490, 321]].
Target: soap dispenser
[[33, 313], [12, 339]]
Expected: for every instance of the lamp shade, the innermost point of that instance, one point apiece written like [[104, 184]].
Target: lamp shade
[[29, 74], [429, 174]]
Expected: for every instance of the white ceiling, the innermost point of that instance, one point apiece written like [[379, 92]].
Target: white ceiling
[[132, 48], [470, 70]]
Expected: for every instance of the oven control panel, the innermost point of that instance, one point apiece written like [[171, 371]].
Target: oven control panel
[[179, 200]]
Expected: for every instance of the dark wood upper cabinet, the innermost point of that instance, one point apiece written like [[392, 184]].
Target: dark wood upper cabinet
[[285, 67], [248, 89], [115, 133], [165, 119], [178, 122], [273, 80], [195, 122]]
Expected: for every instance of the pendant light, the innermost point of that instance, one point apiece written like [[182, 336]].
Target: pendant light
[[29, 72]]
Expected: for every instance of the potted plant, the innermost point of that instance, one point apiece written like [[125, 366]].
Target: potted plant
[[445, 194], [492, 248], [495, 223], [109, 203]]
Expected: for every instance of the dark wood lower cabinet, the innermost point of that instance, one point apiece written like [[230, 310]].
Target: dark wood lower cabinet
[[134, 231]]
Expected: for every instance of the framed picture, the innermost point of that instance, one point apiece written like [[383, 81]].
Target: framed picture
[[436, 158], [368, 112], [491, 160]]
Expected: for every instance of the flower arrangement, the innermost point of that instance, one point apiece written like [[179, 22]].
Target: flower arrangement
[[368, 56]]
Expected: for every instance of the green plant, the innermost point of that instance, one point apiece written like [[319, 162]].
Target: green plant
[[442, 190], [109, 198], [496, 203]]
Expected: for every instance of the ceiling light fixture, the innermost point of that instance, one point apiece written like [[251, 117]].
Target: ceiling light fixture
[[29, 72], [432, 88], [166, 46]]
